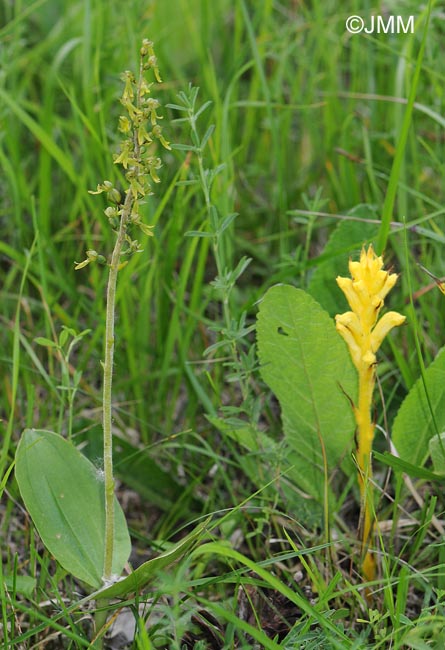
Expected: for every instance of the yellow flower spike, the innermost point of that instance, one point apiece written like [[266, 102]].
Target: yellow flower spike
[[363, 334]]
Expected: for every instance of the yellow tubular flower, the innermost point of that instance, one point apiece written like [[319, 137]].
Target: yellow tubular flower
[[363, 333]]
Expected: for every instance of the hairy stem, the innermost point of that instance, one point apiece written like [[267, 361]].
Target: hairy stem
[[107, 387]]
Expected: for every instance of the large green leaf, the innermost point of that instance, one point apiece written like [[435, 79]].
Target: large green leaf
[[415, 422], [307, 365], [64, 494]]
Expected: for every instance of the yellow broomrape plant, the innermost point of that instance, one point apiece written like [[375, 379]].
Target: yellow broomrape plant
[[365, 292]]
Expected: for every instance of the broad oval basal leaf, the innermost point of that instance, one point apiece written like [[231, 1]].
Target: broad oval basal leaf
[[64, 495], [306, 364]]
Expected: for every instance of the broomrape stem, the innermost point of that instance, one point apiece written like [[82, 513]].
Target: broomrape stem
[[365, 438], [363, 333]]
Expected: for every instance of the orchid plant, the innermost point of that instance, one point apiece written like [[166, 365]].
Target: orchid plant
[[72, 503]]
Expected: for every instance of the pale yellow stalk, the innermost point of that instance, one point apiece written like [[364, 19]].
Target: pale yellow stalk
[[365, 292]]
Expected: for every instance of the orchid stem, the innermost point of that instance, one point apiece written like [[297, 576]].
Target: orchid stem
[[107, 387]]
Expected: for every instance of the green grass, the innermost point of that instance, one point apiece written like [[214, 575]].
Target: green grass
[[308, 121]]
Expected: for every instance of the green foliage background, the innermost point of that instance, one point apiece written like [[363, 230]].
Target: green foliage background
[[307, 118], [297, 105]]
